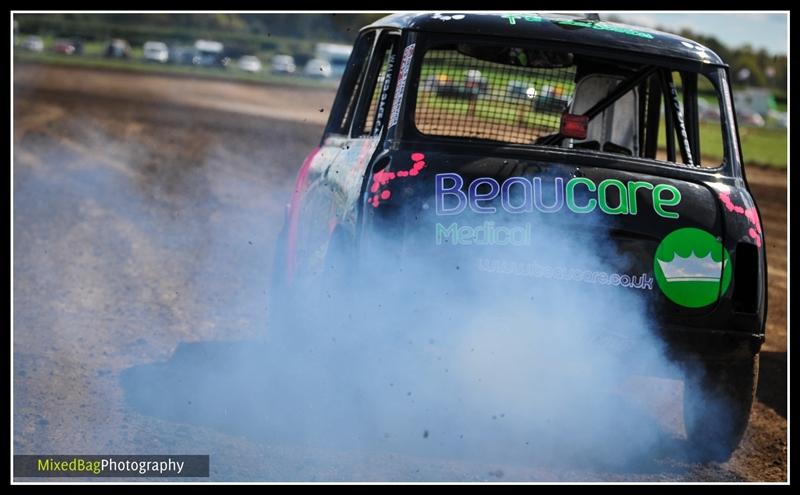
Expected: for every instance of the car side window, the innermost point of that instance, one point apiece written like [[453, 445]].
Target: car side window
[[379, 85], [346, 101], [684, 127], [701, 111]]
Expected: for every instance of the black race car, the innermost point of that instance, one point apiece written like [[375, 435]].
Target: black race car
[[589, 126]]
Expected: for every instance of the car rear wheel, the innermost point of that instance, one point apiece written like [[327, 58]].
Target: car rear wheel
[[279, 296], [315, 301], [716, 408]]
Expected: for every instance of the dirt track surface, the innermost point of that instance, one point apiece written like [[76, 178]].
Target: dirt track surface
[[145, 211]]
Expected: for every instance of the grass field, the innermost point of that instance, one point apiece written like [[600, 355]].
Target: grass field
[[764, 146], [760, 145], [506, 111]]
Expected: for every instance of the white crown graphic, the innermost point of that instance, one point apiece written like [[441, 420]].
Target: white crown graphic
[[692, 269]]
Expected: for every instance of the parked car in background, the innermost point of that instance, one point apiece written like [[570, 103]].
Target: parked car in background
[[182, 55], [250, 63], [777, 118], [707, 112], [33, 44], [283, 64], [316, 67], [758, 100], [118, 48], [519, 89], [155, 51], [748, 117], [68, 47], [470, 85], [551, 99], [336, 54], [210, 54]]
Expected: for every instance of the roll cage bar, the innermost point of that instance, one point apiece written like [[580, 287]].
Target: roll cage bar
[[673, 117]]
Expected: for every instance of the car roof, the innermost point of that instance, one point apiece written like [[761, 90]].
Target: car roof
[[567, 28]]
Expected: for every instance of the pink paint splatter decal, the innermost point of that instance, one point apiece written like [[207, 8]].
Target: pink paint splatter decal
[[750, 213], [379, 190]]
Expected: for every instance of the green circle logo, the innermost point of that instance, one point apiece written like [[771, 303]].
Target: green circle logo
[[692, 268]]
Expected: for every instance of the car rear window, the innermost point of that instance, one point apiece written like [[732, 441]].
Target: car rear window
[[463, 96], [570, 99]]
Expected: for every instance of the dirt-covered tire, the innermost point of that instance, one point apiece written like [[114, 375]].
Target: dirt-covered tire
[[716, 408], [279, 304], [315, 301], [331, 290]]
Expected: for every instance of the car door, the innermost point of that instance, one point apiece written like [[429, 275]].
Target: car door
[[330, 183]]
